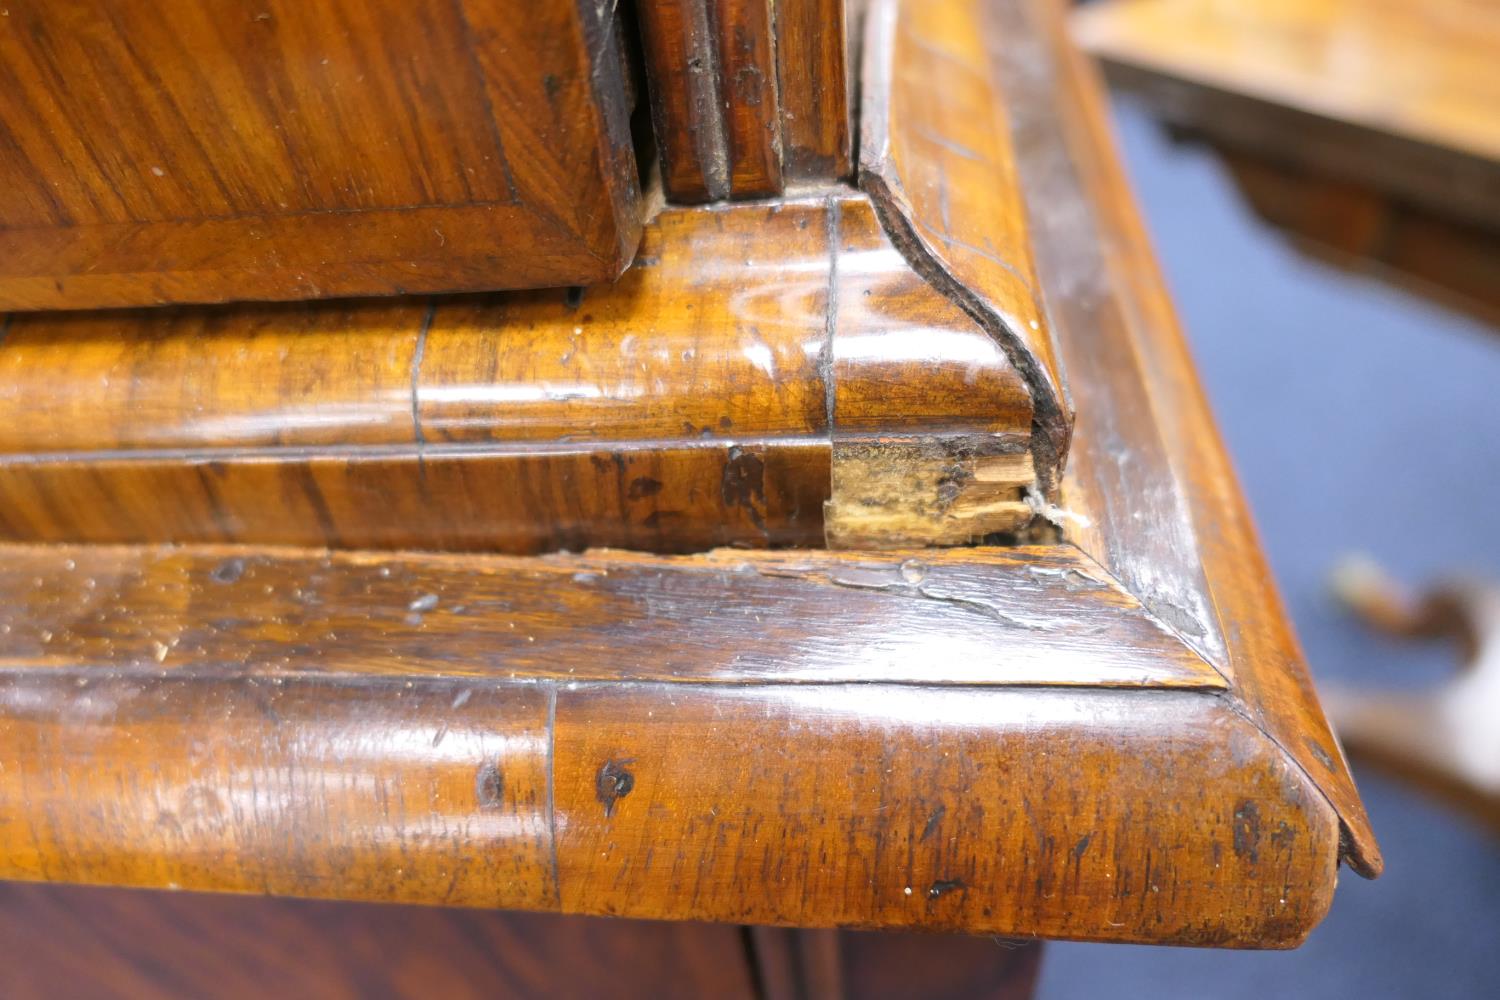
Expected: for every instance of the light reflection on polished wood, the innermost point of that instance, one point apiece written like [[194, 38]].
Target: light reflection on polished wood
[[686, 406]]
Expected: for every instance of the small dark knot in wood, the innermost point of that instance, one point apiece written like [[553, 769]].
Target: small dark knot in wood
[[489, 786], [613, 783]]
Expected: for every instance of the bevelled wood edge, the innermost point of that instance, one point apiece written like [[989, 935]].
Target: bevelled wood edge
[[1022, 616], [1215, 585], [919, 179], [1124, 815]]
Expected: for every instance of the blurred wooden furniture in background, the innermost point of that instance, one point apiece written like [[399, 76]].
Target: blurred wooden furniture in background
[[1368, 129], [1444, 740], [863, 558]]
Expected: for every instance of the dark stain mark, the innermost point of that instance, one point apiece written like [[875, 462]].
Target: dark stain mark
[[552, 85], [943, 886], [613, 783], [1324, 757], [1081, 848], [642, 487], [1283, 836], [489, 786], [573, 297], [932, 822], [228, 571], [744, 484], [1247, 831], [725, 423]]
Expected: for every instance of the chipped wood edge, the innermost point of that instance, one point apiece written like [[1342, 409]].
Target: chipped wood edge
[[930, 490]]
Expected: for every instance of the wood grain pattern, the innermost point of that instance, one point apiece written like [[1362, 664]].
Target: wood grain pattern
[[111, 944], [686, 406], [939, 164], [1170, 523], [1400, 97], [814, 71], [681, 56], [1158, 816], [194, 152], [990, 616], [1094, 738], [747, 95]]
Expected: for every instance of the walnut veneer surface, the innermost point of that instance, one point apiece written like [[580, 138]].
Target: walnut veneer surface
[[1106, 732]]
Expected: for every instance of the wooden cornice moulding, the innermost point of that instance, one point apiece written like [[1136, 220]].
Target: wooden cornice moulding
[[1111, 736], [939, 163], [1170, 523], [696, 402], [937, 735]]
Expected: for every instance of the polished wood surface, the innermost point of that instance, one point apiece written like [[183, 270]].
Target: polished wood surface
[[1161, 813], [1107, 736], [1169, 522], [199, 152], [688, 405], [111, 944], [1031, 615], [939, 163], [1101, 730], [1398, 96], [747, 95], [814, 67]]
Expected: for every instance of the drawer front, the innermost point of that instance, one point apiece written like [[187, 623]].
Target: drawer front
[[159, 151]]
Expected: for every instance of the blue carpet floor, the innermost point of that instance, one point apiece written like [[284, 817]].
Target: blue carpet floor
[[1361, 419]]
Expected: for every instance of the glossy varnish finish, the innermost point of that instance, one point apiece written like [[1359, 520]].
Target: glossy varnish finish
[[169, 762], [690, 404], [747, 95], [1108, 736], [197, 152], [939, 163], [1101, 738], [1170, 523]]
